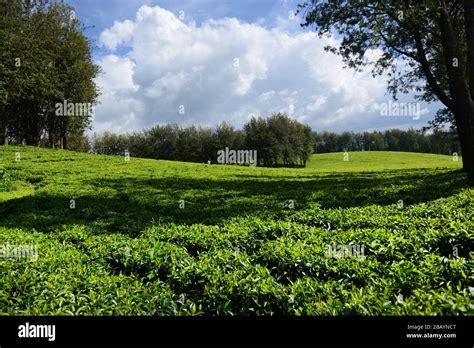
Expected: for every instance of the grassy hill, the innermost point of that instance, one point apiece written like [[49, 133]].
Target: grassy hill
[[380, 161], [160, 238]]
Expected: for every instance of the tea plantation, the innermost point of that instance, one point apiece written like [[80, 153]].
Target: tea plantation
[[147, 237]]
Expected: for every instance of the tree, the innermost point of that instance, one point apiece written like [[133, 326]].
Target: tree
[[79, 143], [280, 129], [258, 137], [373, 141], [279, 140], [347, 141], [226, 135], [434, 38], [301, 140], [45, 59]]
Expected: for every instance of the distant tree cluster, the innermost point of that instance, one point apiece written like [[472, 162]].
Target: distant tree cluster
[[278, 140], [440, 142], [45, 61]]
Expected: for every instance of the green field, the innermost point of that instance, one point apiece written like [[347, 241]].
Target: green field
[[151, 237]]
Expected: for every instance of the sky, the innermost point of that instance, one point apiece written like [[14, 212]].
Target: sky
[[203, 62]]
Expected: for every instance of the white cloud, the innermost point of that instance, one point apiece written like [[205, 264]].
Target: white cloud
[[317, 103], [226, 70], [118, 74], [266, 95], [119, 33]]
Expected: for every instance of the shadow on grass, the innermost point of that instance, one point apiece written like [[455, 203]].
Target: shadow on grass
[[139, 202]]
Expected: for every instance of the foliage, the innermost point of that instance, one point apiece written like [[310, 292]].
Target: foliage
[[405, 31], [438, 141], [237, 247], [45, 60], [278, 140], [5, 180]]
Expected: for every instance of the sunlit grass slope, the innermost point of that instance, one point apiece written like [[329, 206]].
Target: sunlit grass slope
[[380, 161]]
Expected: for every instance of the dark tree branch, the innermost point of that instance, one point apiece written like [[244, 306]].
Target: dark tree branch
[[469, 25], [425, 66]]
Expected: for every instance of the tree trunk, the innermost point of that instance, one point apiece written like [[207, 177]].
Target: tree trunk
[[469, 28], [63, 142], [52, 140], [5, 135], [462, 106], [38, 140]]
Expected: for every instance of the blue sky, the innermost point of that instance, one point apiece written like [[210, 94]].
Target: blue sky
[[207, 61], [101, 14]]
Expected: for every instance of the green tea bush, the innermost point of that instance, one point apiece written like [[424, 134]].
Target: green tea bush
[[5, 180], [128, 246]]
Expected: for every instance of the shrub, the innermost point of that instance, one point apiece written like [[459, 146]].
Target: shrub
[[5, 180]]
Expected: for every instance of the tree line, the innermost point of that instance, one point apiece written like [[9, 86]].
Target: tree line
[[278, 140], [438, 141], [45, 62]]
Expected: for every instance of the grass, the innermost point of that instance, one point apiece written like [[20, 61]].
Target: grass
[[150, 237], [380, 161]]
